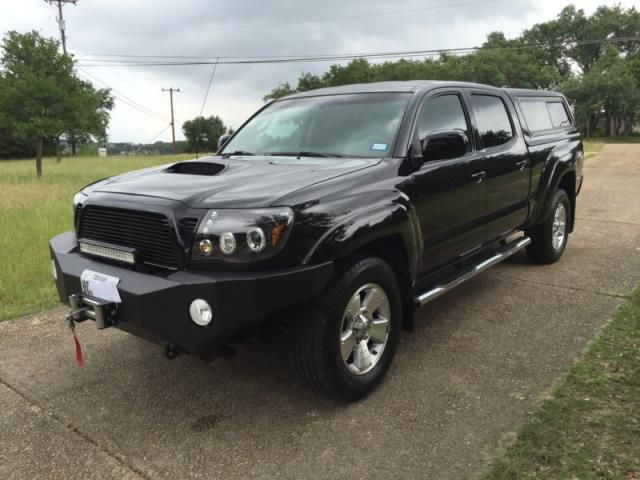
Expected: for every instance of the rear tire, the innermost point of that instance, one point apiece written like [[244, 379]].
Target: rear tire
[[344, 341], [549, 239]]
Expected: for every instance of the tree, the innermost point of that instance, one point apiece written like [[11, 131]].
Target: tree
[[281, 90], [202, 133], [611, 91], [572, 36], [42, 97], [89, 113], [600, 78]]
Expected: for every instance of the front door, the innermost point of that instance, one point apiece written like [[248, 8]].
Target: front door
[[449, 194]]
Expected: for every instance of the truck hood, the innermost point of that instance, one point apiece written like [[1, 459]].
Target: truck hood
[[239, 182]]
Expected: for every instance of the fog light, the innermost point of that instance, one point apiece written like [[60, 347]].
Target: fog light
[[54, 270], [206, 247], [227, 243], [200, 312]]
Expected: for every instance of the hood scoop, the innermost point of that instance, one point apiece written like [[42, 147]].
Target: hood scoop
[[196, 168]]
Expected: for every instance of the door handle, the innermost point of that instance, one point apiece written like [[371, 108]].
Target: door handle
[[522, 164], [479, 176]]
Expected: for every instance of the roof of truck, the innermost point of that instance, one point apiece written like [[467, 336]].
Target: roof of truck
[[413, 86], [525, 92]]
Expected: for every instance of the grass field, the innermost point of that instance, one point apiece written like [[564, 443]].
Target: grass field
[[590, 428], [32, 211]]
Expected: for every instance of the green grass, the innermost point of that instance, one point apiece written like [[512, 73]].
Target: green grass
[[32, 211], [590, 428]]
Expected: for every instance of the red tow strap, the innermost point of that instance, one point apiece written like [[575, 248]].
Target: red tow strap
[[72, 327], [79, 359]]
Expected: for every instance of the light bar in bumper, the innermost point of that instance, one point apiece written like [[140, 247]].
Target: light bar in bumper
[[156, 306]]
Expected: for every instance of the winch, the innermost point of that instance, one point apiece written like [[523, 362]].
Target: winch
[[85, 307]]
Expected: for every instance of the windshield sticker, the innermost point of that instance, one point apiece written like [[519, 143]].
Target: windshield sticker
[[380, 147]]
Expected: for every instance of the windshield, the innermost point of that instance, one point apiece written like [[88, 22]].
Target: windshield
[[361, 125]]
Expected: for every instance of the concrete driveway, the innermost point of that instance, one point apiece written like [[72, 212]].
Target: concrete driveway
[[482, 358]]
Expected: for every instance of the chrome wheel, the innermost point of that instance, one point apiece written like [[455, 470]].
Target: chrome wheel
[[365, 328], [559, 228]]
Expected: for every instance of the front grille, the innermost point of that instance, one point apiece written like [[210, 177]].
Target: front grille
[[148, 232], [187, 227], [76, 215]]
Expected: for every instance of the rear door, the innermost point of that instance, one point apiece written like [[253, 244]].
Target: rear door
[[449, 194], [506, 161]]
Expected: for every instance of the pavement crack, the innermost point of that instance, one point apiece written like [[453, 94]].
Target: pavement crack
[[546, 284], [69, 426]]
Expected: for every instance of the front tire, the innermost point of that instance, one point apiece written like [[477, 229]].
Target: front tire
[[549, 239], [344, 341]]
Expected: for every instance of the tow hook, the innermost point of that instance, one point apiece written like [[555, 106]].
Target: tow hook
[[171, 351]]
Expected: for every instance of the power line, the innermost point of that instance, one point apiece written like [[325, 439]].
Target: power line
[[87, 17], [125, 99], [318, 20], [343, 57], [132, 105], [206, 94], [161, 132]]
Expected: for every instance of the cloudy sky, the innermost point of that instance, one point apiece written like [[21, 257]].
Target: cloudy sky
[[250, 28]]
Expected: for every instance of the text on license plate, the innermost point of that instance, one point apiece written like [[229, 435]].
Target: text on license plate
[[100, 285]]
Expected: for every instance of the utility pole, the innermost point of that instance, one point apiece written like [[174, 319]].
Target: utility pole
[[60, 20], [173, 125]]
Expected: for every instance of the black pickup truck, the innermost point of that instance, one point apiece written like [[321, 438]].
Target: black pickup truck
[[338, 209]]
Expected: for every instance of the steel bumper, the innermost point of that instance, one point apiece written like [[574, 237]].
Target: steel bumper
[[156, 306]]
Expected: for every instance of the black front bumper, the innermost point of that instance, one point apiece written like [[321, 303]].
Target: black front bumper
[[156, 306]]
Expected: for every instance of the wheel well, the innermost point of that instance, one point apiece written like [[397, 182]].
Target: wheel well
[[391, 249], [568, 184]]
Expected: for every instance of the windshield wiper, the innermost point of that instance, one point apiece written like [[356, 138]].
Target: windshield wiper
[[237, 152], [305, 153]]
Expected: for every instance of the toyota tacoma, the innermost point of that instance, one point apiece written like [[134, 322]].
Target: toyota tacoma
[[340, 210]]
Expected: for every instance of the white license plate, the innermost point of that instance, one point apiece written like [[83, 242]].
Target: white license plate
[[100, 285]]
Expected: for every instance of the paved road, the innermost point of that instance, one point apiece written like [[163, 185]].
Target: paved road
[[483, 357]]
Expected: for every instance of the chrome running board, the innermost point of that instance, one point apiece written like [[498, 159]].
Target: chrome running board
[[469, 272]]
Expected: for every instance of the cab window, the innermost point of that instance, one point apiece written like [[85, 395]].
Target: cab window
[[492, 120], [444, 112]]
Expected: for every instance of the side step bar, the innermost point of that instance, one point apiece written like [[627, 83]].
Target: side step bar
[[469, 272]]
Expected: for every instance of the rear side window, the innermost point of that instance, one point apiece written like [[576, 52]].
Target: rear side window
[[536, 115], [558, 113], [492, 120], [544, 114]]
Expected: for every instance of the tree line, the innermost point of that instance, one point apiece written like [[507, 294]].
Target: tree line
[[600, 79]]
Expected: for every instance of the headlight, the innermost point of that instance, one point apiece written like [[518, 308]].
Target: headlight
[[78, 199], [241, 236]]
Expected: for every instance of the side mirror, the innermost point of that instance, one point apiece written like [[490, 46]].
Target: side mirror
[[443, 144], [223, 139]]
